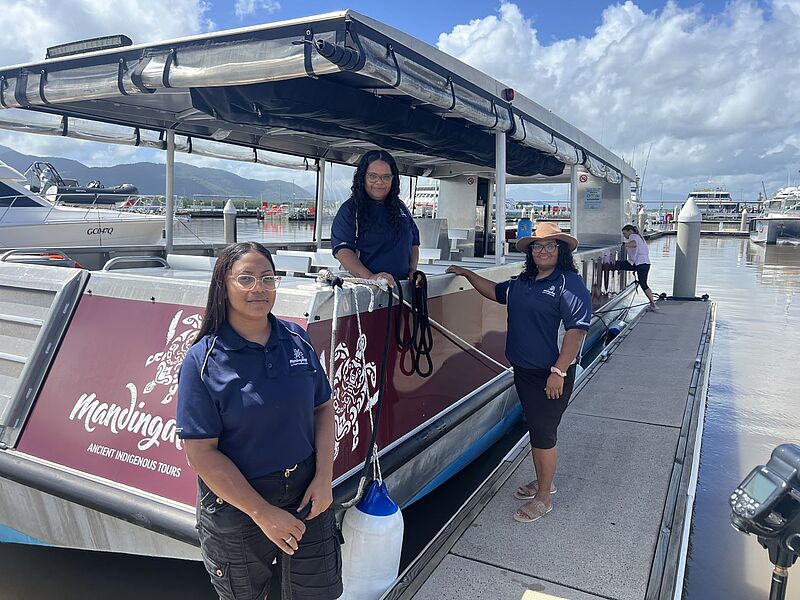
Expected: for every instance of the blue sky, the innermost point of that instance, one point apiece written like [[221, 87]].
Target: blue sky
[[706, 89], [553, 19]]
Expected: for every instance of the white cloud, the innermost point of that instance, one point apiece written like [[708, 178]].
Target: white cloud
[[27, 27], [711, 95], [244, 8], [715, 97]]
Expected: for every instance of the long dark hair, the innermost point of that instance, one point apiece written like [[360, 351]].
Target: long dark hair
[[217, 303], [362, 199], [565, 262], [631, 228]]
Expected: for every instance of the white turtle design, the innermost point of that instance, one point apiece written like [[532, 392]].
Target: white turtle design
[[354, 389], [168, 361]]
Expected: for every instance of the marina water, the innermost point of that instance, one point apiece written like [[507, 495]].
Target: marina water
[[753, 405]]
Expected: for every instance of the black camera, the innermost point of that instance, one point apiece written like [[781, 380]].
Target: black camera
[[767, 504]]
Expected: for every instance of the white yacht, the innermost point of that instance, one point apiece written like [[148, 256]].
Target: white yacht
[[28, 220], [715, 204], [779, 218]]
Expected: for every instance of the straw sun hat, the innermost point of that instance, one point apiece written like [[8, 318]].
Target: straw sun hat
[[546, 231]]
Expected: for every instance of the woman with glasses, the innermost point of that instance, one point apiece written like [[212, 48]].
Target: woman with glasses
[[373, 234], [255, 416], [547, 293]]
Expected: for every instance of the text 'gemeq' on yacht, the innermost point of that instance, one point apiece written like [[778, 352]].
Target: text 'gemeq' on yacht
[[28, 220], [89, 453], [779, 219]]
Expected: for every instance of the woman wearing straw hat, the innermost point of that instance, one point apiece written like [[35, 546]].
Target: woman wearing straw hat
[[547, 293]]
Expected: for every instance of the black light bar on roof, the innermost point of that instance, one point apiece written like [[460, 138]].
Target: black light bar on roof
[[91, 45]]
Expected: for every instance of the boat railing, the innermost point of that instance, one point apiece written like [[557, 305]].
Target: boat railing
[[118, 260], [9, 202]]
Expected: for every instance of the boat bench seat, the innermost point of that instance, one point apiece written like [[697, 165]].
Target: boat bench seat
[[321, 259], [292, 265], [188, 262], [428, 255]]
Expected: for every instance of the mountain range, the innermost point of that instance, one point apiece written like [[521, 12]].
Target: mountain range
[[150, 178]]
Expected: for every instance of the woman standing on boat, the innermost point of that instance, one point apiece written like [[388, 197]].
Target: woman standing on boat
[[373, 234], [638, 260], [258, 426], [549, 292]]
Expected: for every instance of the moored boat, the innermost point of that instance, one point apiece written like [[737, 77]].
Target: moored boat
[[779, 218], [94, 443], [47, 182], [28, 220]]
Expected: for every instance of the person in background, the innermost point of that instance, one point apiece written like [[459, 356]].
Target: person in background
[[258, 426], [547, 293], [638, 260], [373, 234]]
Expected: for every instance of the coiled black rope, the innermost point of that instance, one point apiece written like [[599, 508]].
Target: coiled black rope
[[419, 342]]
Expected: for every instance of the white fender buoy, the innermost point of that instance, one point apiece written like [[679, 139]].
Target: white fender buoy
[[615, 330], [373, 536]]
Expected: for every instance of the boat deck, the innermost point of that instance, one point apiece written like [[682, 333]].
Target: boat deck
[[627, 445]]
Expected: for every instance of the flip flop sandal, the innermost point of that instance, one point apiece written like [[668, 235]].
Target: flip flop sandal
[[532, 511], [532, 488]]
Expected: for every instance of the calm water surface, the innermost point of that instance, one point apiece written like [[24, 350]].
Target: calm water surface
[[272, 230], [753, 406]]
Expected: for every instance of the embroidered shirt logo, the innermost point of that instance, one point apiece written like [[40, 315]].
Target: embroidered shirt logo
[[299, 358], [551, 291]]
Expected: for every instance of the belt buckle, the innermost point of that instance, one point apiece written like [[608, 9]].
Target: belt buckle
[[287, 472]]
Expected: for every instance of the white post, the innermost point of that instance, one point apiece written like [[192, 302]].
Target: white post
[[500, 196], [743, 222], [642, 220], [169, 217], [574, 207], [229, 222], [320, 205], [684, 281], [675, 213]]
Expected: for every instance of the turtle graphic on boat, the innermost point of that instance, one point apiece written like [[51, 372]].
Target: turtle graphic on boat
[[354, 384], [180, 337]]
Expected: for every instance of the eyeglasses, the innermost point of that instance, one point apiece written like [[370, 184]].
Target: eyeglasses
[[248, 282], [374, 177], [548, 247]]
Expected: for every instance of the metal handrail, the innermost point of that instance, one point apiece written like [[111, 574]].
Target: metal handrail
[[124, 259]]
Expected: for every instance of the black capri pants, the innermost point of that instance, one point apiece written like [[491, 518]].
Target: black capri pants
[[542, 414], [641, 272], [239, 557]]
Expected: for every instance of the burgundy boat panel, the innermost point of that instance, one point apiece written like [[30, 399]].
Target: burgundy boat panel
[[409, 399], [107, 406]]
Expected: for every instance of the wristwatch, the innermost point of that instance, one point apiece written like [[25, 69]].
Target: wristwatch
[[558, 371]]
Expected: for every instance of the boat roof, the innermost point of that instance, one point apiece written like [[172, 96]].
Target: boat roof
[[329, 87]]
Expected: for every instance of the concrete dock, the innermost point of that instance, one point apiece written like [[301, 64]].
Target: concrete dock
[[628, 450]]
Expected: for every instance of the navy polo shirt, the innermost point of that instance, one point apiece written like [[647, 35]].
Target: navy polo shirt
[[377, 248], [535, 311], [257, 400]]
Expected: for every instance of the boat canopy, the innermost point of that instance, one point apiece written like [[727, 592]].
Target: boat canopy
[[328, 87]]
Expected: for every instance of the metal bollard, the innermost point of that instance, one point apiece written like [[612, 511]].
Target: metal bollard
[[684, 282], [229, 219], [743, 222]]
